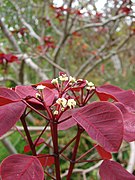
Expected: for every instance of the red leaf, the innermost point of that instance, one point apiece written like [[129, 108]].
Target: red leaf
[[26, 92], [29, 91], [27, 147], [127, 97], [4, 101], [108, 91], [11, 109], [8, 96], [76, 34], [99, 15], [46, 83], [20, 166], [22, 31], [48, 96], [45, 160], [48, 22], [8, 57], [69, 122], [125, 10], [103, 153], [110, 170], [9, 115], [103, 122], [79, 85], [11, 57], [129, 123]]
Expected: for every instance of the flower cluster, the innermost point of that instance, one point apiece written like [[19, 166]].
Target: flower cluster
[[63, 78], [90, 86], [68, 91], [71, 103]]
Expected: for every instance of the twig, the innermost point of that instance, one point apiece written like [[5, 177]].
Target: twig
[[103, 59], [93, 25], [32, 32], [31, 128], [9, 146], [83, 171], [10, 37], [27, 60], [6, 135]]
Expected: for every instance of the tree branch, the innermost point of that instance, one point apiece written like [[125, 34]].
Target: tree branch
[[105, 22]]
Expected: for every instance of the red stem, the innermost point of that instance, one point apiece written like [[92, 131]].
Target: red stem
[[74, 154], [49, 175], [94, 160], [87, 98], [67, 144], [81, 96], [28, 135], [54, 131], [63, 120], [83, 155], [75, 97], [42, 115], [41, 134]]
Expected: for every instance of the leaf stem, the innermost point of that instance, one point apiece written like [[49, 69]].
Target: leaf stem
[[63, 120], [74, 154], [88, 96], [83, 155], [28, 135], [41, 134], [42, 115], [67, 144]]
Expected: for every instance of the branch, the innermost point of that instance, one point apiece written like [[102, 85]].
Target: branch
[[54, 64], [93, 25], [83, 171], [86, 63], [103, 59], [8, 145], [67, 17], [34, 66], [27, 60], [31, 128], [4, 79], [32, 32], [9, 36]]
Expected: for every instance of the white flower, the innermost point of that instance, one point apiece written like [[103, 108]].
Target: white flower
[[62, 109], [71, 79], [40, 87], [79, 79], [54, 81], [90, 88], [63, 77], [62, 102], [71, 103], [38, 95], [55, 112], [90, 84]]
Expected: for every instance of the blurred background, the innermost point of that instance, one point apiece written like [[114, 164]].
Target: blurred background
[[91, 39]]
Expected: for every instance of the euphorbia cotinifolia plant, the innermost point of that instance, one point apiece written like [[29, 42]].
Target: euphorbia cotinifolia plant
[[65, 102]]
